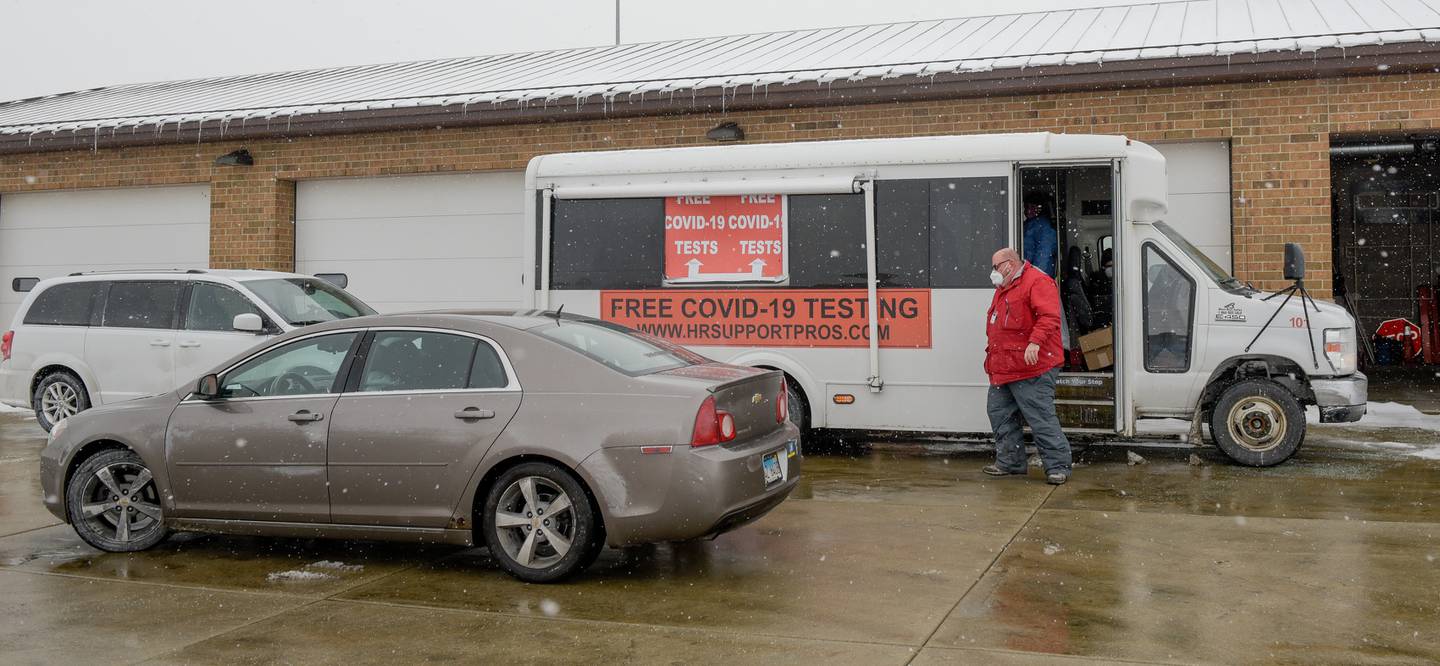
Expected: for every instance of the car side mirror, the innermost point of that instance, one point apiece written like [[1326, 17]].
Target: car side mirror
[[208, 386], [249, 323]]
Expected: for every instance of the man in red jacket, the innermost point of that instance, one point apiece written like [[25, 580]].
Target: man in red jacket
[[1023, 358]]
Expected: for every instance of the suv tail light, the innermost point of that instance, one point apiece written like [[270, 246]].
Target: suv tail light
[[6, 343], [782, 403], [712, 425]]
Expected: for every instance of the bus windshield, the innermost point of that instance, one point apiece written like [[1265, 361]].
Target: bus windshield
[[1216, 273]]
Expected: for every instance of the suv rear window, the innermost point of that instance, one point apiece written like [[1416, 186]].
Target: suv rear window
[[67, 304], [619, 348]]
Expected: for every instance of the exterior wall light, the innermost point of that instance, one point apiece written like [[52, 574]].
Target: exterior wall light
[[726, 132], [240, 157]]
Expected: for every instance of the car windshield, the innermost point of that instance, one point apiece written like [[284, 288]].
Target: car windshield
[[620, 348], [1216, 273], [306, 301]]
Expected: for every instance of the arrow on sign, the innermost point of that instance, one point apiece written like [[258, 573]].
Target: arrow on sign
[[694, 265], [757, 267]]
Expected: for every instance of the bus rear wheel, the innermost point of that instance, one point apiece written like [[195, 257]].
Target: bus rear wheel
[[1258, 423]]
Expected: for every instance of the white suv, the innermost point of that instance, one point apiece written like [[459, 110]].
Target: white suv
[[97, 338]]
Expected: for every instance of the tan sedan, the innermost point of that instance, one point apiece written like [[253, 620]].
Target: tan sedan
[[544, 437]]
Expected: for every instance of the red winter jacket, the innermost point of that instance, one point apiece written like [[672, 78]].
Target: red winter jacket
[[1026, 311]]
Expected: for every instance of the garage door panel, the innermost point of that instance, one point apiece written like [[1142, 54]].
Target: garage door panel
[[393, 286], [49, 234], [1198, 176], [407, 196], [417, 242], [434, 237]]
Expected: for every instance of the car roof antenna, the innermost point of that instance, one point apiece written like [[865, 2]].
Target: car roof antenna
[[558, 311]]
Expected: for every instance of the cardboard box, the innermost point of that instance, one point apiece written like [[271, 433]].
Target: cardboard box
[[1094, 340], [1100, 359]]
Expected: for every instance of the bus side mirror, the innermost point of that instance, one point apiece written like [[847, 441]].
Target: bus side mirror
[[1294, 262], [208, 386]]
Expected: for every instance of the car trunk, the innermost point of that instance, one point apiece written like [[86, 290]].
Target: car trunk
[[748, 394]]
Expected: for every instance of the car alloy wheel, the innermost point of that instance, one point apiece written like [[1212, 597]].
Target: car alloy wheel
[[114, 504], [535, 522], [59, 401]]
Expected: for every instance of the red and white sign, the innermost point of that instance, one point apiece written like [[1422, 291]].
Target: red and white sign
[[1405, 332], [725, 238], [773, 317]]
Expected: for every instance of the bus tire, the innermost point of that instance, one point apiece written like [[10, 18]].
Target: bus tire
[[1258, 423]]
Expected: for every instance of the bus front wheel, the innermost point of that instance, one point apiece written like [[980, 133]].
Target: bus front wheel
[[1258, 423]]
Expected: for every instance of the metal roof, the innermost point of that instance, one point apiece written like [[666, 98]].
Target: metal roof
[[917, 52]]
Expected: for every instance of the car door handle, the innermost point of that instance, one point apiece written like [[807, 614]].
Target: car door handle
[[303, 416], [159, 342], [187, 344], [474, 413]]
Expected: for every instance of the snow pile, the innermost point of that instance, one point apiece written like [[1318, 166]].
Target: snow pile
[[336, 566], [7, 409], [298, 576]]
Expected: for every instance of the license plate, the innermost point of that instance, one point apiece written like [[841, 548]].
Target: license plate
[[771, 465]]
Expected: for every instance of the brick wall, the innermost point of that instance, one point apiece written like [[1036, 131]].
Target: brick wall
[[1279, 132]]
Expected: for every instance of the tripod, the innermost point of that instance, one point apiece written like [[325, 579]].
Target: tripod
[[1290, 291]]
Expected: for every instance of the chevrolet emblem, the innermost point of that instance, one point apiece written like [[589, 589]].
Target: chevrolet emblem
[[757, 399]]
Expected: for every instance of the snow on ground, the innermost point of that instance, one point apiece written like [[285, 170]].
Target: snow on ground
[[1384, 415], [298, 575], [7, 409]]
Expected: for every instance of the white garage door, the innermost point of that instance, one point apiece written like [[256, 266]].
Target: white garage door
[[416, 242], [48, 234], [1199, 175]]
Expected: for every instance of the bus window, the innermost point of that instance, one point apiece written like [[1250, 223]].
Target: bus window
[[902, 233], [827, 240], [968, 223], [607, 243]]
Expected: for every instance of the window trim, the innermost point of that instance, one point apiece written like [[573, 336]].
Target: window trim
[[361, 355], [1145, 308]]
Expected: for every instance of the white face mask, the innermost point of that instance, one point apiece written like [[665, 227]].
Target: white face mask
[[1109, 271], [996, 278]]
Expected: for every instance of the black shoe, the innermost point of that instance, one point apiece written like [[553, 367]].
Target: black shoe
[[1057, 479], [994, 470]]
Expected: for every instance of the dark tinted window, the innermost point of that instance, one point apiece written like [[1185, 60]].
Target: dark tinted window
[[213, 307], [827, 240], [607, 243], [69, 304], [902, 233], [968, 220], [417, 361], [142, 304], [487, 371]]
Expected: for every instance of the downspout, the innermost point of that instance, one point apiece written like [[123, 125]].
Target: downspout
[[872, 299]]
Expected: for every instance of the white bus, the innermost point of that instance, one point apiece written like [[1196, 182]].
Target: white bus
[[861, 269]]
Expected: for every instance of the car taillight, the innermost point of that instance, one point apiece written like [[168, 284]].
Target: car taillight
[[712, 425], [5, 344], [782, 403]]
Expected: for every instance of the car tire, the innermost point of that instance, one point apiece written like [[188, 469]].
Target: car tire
[[526, 542], [100, 504], [59, 395], [1258, 423], [799, 406]]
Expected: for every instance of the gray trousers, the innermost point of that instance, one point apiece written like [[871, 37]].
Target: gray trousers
[[1035, 399]]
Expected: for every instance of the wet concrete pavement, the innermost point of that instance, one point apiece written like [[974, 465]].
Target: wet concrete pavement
[[903, 553]]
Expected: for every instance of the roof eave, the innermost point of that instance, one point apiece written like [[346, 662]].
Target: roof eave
[[1113, 75]]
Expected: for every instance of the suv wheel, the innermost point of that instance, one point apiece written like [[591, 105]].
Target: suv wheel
[[113, 503], [1258, 423], [539, 523], [58, 396]]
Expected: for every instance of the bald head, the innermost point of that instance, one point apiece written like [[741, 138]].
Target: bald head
[[1006, 261]]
